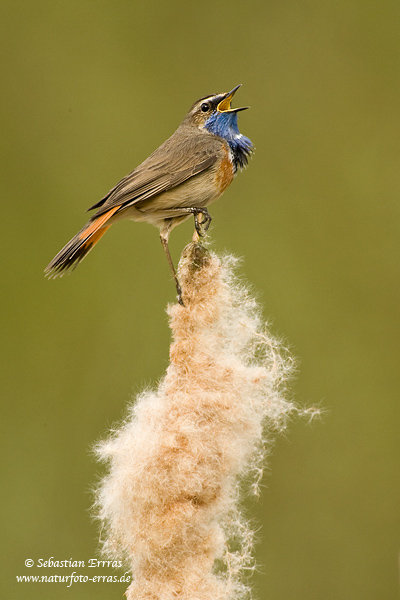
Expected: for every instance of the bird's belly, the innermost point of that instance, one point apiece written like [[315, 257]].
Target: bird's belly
[[197, 192]]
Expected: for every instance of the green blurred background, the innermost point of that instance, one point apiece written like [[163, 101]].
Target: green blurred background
[[89, 89]]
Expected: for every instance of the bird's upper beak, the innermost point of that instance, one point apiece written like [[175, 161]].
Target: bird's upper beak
[[225, 104]]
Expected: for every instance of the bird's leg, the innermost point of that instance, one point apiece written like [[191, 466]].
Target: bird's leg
[[200, 226], [164, 236]]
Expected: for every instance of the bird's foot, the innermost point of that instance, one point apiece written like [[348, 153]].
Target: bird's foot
[[203, 224]]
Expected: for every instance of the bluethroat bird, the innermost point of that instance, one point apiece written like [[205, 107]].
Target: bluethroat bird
[[185, 174]]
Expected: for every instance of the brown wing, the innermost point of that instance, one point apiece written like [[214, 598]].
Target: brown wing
[[183, 155]]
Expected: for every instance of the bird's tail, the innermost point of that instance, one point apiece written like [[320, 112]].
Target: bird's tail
[[77, 248]]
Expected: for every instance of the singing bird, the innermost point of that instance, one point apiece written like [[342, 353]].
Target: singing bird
[[181, 178]]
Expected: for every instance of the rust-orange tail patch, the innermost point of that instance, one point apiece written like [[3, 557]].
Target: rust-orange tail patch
[[77, 248]]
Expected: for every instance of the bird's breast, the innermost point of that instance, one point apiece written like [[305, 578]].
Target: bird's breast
[[225, 171]]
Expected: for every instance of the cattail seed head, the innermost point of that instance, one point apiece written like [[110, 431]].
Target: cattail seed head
[[170, 502]]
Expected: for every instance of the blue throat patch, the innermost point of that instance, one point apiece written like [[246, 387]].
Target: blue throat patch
[[224, 124]]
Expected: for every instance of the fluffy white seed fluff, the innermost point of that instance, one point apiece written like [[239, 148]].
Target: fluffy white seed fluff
[[170, 502]]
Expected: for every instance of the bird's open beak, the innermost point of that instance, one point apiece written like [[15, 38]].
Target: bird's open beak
[[225, 104]]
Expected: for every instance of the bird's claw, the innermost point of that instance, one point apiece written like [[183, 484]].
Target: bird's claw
[[203, 225]]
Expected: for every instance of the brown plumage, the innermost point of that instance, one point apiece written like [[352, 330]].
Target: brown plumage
[[185, 174]]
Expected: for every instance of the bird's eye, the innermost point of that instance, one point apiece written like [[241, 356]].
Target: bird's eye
[[205, 107]]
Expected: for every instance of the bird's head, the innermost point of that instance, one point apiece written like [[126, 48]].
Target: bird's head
[[212, 108]]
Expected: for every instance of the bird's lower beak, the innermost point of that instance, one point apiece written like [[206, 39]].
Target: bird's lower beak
[[225, 104]]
